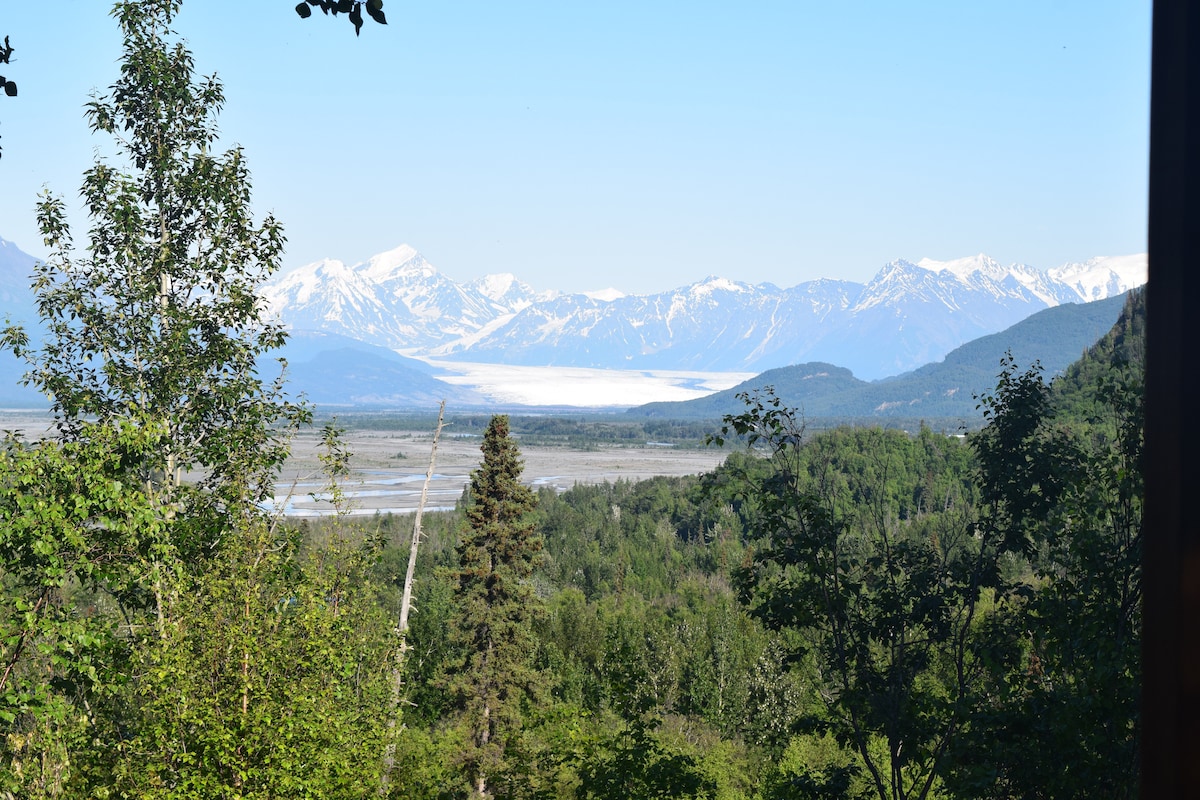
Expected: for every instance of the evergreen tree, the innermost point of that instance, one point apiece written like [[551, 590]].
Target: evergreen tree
[[496, 606]]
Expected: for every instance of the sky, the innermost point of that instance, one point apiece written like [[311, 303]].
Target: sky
[[639, 145]]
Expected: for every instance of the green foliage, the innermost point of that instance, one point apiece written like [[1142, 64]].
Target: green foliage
[[816, 767], [495, 607], [1024, 463], [1118, 356], [158, 323], [878, 589], [861, 612], [922, 618], [160, 635], [634, 763], [268, 679], [74, 546], [1059, 715]]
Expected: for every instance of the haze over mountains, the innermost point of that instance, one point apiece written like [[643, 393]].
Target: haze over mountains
[[947, 389], [906, 316], [358, 331]]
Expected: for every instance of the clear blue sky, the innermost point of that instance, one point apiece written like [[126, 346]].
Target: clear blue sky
[[641, 145]]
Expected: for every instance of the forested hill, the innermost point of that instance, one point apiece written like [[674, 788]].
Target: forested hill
[[1119, 355], [1054, 337], [691, 635]]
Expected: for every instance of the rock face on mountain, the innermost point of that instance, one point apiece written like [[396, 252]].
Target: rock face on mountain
[[907, 315]]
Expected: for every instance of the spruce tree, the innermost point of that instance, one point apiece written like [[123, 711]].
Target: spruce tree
[[496, 605]]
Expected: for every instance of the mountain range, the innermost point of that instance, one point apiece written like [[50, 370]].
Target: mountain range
[[908, 315], [1054, 338], [359, 332]]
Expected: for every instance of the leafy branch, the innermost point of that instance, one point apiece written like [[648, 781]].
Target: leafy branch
[[10, 88], [353, 9]]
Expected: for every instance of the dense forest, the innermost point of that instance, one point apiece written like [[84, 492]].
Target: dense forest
[[856, 613], [848, 613]]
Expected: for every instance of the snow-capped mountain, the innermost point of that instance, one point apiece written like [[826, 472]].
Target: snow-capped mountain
[[912, 314], [395, 299], [714, 324], [909, 314], [1102, 277]]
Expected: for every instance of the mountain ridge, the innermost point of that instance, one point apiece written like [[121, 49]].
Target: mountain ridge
[[907, 315], [1053, 337]]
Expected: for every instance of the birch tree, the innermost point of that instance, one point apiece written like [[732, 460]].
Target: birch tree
[[161, 635]]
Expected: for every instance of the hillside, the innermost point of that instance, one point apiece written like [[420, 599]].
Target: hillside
[[335, 371], [1117, 357], [1055, 337]]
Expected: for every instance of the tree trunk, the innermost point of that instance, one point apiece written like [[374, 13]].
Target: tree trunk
[[389, 754]]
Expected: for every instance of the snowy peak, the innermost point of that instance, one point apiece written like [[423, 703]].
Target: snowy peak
[[402, 261], [965, 268], [1092, 280], [505, 291], [1103, 276], [317, 282], [396, 299], [909, 314], [713, 284], [496, 286]]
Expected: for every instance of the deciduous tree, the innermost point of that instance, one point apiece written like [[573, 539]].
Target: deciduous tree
[[1058, 716], [878, 606], [165, 637]]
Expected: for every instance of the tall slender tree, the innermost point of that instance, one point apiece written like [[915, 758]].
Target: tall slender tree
[[169, 619], [158, 321], [496, 607]]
